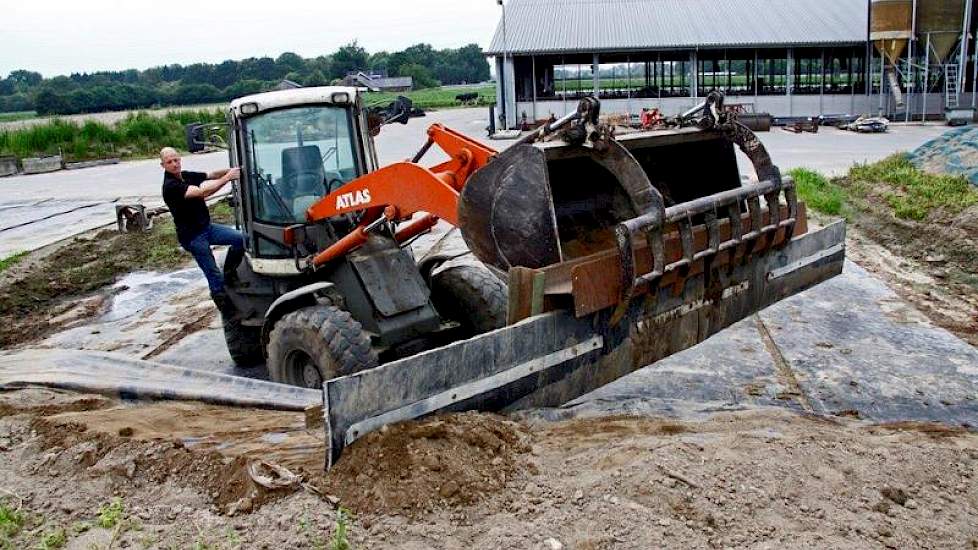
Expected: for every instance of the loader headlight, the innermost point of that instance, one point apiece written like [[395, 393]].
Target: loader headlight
[[249, 108], [340, 97]]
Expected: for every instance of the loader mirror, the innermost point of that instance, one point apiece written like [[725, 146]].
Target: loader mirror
[[399, 110], [204, 136]]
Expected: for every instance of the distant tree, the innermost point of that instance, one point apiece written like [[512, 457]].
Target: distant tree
[[315, 78], [16, 102], [206, 82], [49, 102], [242, 88], [420, 74], [81, 101], [172, 73], [289, 62], [379, 63], [225, 74], [27, 78], [152, 76], [193, 94], [198, 73], [262, 68], [473, 59], [294, 77], [348, 59]]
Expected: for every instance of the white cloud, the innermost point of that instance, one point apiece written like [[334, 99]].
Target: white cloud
[[60, 37]]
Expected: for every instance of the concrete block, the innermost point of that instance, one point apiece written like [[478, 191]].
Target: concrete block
[[90, 163], [8, 166], [42, 164]]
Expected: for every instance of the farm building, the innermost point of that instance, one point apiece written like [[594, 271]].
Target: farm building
[[790, 58], [380, 82]]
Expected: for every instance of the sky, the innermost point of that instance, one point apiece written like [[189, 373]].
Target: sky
[[56, 37]]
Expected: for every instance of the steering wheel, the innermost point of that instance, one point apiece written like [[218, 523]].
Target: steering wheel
[[329, 184]]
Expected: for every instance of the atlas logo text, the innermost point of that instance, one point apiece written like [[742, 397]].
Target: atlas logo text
[[347, 200]]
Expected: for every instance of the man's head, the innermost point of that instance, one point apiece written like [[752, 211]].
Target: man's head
[[170, 160]]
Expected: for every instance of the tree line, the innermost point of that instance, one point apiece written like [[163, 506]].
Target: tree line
[[24, 90]]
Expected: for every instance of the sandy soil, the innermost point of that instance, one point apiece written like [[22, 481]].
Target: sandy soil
[[755, 479]]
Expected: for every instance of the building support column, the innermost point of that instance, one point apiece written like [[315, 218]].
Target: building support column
[[595, 77], [821, 86], [756, 73], [500, 94], [509, 83], [533, 62], [693, 74], [789, 75]]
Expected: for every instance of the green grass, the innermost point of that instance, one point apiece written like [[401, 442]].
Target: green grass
[[140, 134], [111, 514], [52, 540], [11, 522], [818, 192], [11, 260], [340, 540], [434, 98], [911, 193], [17, 115]]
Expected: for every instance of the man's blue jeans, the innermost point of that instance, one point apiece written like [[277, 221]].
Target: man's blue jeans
[[200, 247]]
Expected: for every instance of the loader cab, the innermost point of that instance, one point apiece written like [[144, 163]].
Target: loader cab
[[294, 147]]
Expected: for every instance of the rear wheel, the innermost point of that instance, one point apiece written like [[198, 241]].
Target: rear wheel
[[244, 343], [314, 344], [472, 296]]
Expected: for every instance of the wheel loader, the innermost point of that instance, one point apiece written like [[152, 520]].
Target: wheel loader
[[587, 254]]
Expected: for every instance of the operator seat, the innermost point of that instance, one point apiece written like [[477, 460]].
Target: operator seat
[[303, 177]]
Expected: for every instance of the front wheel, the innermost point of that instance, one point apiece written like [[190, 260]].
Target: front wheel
[[472, 296], [317, 343]]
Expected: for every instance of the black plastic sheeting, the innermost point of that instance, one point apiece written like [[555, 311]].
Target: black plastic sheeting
[[134, 379]]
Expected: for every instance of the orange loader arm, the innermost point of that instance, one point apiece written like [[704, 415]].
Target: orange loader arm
[[400, 190]]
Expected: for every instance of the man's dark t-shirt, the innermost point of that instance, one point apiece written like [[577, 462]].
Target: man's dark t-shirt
[[189, 215]]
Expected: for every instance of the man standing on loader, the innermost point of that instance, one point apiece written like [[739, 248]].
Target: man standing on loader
[[185, 194]]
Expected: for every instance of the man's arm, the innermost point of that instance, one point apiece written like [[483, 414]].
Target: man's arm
[[211, 186], [217, 174]]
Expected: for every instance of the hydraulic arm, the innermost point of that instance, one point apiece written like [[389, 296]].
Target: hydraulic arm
[[400, 190]]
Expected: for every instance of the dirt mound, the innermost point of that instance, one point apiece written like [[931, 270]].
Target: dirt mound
[[41, 401], [412, 468], [193, 445]]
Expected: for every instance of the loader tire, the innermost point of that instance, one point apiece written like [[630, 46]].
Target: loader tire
[[244, 343], [317, 343], [472, 296]]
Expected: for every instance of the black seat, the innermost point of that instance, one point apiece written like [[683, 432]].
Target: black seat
[[302, 168], [303, 176]]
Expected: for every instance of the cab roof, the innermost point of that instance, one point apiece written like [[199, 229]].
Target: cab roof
[[297, 96]]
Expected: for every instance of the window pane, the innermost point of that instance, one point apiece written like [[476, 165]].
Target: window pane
[[297, 156]]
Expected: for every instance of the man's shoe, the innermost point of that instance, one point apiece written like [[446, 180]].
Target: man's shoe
[[225, 306]]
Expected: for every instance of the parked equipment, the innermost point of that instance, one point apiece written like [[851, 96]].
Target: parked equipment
[[807, 125], [868, 125], [617, 252]]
